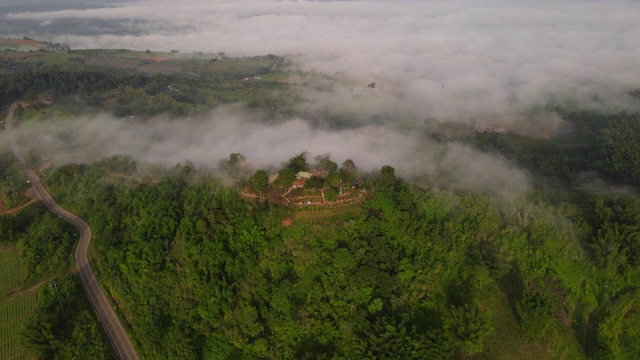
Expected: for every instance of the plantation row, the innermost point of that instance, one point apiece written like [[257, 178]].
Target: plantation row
[[13, 317], [9, 271]]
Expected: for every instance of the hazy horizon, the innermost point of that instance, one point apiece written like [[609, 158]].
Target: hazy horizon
[[445, 59], [452, 61]]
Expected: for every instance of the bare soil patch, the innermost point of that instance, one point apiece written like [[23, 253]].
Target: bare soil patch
[[25, 42], [11, 211]]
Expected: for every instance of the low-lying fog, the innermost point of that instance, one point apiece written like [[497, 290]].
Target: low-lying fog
[[208, 139], [450, 60]]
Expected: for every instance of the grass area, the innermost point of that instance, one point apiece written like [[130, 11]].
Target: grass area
[[21, 45], [509, 341], [49, 58], [578, 138], [13, 316], [249, 66], [9, 271], [539, 146], [142, 54], [328, 214], [65, 109], [171, 63], [61, 109], [276, 76], [113, 62], [381, 201]]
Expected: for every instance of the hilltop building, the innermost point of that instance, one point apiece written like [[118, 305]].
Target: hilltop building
[[304, 175]]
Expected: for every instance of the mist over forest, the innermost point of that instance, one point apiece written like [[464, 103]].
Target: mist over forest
[[323, 179], [454, 62]]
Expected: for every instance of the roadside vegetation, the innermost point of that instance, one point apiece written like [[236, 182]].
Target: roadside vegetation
[[13, 183], [43, 311], [64, 325]]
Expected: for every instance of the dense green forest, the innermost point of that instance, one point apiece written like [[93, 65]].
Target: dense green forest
[[12, 183], [63, 326], [603, 143], [420, 273]]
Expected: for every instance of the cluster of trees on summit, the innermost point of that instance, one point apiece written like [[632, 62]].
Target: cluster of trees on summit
[[333, 179]]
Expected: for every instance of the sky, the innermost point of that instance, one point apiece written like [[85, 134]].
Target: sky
[[450, 60]]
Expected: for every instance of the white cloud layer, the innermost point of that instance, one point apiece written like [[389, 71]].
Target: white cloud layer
[[446, 59], [451, 60], [207, 140]]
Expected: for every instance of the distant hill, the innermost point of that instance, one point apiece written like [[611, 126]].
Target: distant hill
[[27, 44]]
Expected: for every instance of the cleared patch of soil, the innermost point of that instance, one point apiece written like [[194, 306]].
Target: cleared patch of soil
[[25, 42]]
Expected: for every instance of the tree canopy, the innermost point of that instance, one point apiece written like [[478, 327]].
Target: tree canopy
[[286, 177], [299, 162], [260, 180], [416, 273]]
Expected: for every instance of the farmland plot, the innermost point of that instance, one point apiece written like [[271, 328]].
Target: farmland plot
[[13, 316], [9, 271]]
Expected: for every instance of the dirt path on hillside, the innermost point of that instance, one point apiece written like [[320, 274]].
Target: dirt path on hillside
[[16, 292], [11, 211], [29, 193]]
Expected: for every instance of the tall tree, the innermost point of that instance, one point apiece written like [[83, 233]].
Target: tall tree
[[334, 180], [387, 175], [324, 163], [299, 162], [235, 165], [349, 172], [260, 180], [286, 177]]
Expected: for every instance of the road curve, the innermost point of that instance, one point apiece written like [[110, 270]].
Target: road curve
[[110, 322]]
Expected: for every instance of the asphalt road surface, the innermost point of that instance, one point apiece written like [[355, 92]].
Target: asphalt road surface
[[110, 322]]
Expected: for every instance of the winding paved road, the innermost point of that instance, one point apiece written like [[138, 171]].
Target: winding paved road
[[110, 322]]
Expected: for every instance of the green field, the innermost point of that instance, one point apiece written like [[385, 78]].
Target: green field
[[13, 316], [510, 342], [9, 271]]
